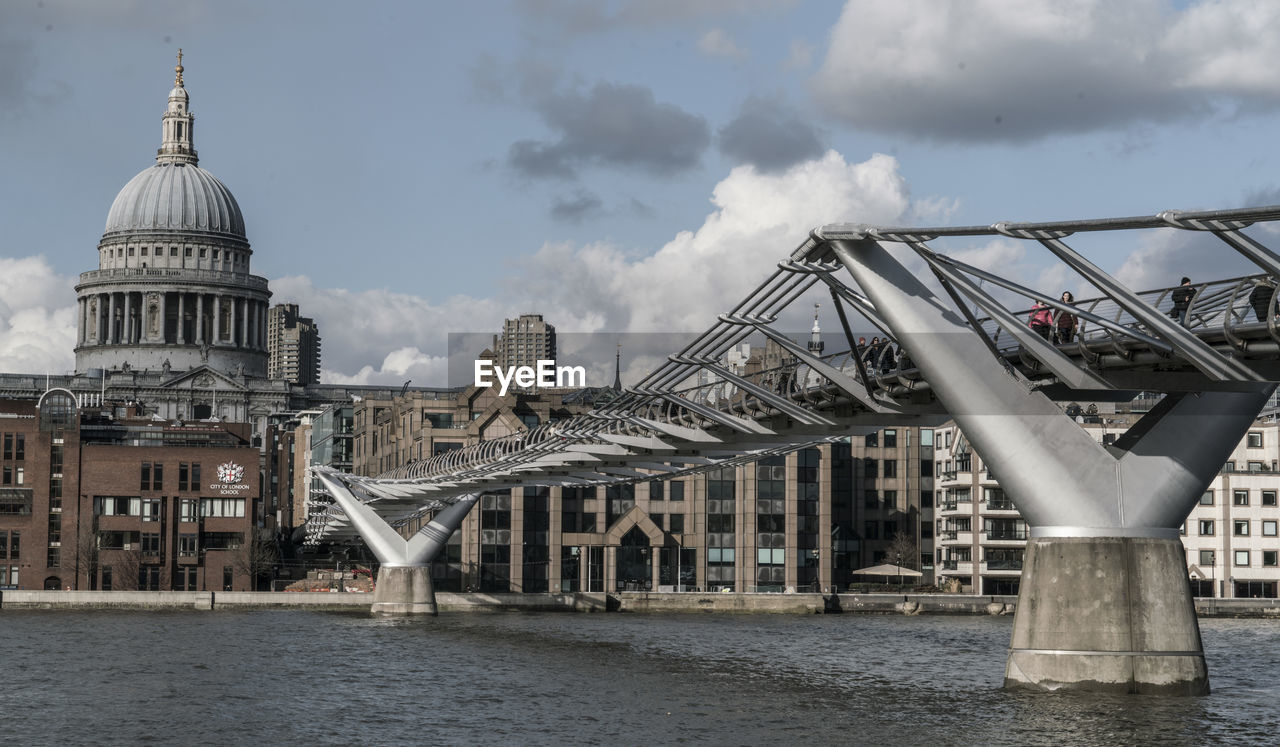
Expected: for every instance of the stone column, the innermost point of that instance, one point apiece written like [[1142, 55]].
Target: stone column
[[231, 331], [252, 326], [126, 320], [200, 318], [164, 316], [217, 319], [99, 302], [111, 320], [182, 315]]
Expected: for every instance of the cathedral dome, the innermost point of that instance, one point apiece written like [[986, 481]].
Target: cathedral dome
[[175, 196]]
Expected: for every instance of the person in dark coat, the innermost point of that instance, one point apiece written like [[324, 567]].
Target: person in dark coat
[[1182, 296], [1260, 299], [1064, 324]]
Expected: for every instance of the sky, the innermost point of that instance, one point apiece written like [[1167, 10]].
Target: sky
[[408, 170]]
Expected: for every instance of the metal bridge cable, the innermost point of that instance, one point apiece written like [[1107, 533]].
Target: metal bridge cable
[[1049, 300], [1193, 348]]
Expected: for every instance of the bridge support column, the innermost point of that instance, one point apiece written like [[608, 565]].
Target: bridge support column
[[404, 590], [1105, 601], [1106, 614], [404, 585]]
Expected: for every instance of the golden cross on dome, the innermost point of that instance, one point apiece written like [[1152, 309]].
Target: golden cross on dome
[[177, 79]]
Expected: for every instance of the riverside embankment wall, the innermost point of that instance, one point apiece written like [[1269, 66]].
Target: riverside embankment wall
[[636, 602]]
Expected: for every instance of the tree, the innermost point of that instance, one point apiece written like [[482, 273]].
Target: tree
[[903, 546], [257, 556], [125, 567], [86, 557]]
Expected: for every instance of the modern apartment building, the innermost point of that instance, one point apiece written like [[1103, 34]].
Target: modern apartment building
[[293, 346], [1232, 536], [524, 341]]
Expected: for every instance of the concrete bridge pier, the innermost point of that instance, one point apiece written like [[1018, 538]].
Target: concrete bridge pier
[[1106, 614], [404, 590], [1105, 602], [404, 585]]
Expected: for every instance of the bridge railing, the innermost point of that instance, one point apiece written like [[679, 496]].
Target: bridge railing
[[1221, 306]]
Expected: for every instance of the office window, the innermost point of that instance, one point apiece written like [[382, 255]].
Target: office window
[[890, 438], [1207, 557], [1268, 497], [183, 475], [1206, 527], [1240, 497], [1240, 527], [1269, 558], [890, 468], [188, 509], [187, 546], [873, 439], [1242, 558], [151, 509], [1268, 528], [1207, 498], [677, 523], [655, 490], [1254, 439]]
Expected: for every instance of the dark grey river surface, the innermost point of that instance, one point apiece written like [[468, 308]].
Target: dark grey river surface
[[277, 677]]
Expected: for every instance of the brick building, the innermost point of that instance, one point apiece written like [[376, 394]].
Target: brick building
[[96, 498]]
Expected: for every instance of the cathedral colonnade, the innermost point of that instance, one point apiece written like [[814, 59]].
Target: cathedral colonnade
[[172, 317]]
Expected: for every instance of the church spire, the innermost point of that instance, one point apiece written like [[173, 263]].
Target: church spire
[[815, 339], [177, 143], [617, 369]]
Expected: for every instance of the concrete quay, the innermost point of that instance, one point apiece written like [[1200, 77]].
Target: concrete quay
[[636, 602], [318, 600]]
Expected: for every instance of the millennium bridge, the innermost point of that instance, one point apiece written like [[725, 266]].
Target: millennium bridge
[[1105, 602]]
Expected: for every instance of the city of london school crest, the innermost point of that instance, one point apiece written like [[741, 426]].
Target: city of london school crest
[[229, 473]]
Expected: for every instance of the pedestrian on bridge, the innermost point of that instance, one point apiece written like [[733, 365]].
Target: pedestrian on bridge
[[1041, 320], [1064, 326], [1260, 298], [1182, 296]]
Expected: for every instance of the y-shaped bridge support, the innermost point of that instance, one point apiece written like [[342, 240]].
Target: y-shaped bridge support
[[404, 585], [1105, 603]]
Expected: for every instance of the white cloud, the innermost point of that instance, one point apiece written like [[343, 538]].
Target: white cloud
[[36, 335], [757, 220], [718, 43], [977, 70], [1164, 256], [404, 364]]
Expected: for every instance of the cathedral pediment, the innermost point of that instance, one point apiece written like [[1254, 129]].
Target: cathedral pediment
[[204, 379]]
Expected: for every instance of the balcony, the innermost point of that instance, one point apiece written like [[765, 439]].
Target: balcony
[[180, 275], [1001, 505], [1003, 565], [1007, 535]]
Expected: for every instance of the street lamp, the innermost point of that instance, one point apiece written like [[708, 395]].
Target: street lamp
[[898, 564]]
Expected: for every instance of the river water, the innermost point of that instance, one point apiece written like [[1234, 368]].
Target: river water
[[293, 677]]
